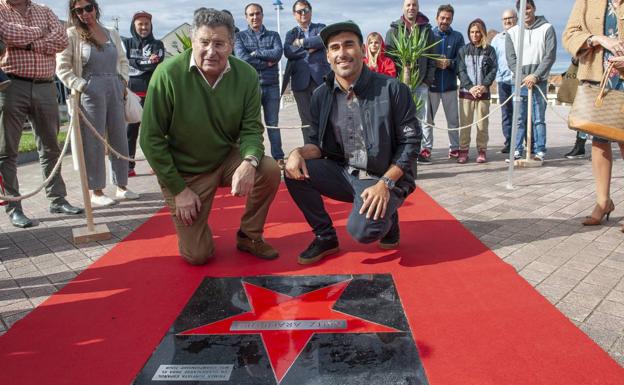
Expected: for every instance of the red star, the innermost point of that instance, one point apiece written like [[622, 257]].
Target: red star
[[284, 346]]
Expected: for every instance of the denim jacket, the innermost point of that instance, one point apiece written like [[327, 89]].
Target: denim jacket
[[259, 52]]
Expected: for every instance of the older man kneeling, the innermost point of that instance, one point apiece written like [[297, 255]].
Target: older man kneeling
[[201, 129]]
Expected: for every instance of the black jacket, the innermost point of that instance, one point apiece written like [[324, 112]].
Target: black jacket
[[138, 52], [476, 66], [426, 66], [391, 131]]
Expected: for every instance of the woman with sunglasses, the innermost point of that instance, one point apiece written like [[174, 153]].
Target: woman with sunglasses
[[95, 64]]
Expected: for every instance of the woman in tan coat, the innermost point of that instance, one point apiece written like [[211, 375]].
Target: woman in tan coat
[[594, 34]]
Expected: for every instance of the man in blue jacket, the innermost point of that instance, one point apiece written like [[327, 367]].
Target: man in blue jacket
[[263, 50], [361, 148], [307, 64], [444, 87]]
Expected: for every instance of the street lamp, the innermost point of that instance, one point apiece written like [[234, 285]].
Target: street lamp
[[278, 7]]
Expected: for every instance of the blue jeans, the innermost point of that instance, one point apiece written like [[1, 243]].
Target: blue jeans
[[539, 120], [422, 91], [270, 107], [504, 91]]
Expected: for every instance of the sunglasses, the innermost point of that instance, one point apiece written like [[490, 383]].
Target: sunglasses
[[303, 11], [87, 8]]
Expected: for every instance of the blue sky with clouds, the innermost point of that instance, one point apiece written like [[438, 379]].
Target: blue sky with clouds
[[371, 15]]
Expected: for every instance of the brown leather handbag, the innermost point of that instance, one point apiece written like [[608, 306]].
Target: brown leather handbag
[[598, 111]]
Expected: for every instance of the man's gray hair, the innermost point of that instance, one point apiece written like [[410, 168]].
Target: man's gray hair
[[211, 17]]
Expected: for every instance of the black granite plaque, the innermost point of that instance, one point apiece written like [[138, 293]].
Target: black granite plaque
[[338, 330]]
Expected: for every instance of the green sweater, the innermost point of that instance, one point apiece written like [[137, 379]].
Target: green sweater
[[189, 128]]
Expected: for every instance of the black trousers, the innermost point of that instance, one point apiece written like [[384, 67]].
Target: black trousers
[[133, 135], [328, 178]]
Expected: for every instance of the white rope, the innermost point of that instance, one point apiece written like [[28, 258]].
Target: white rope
[[498, 107], [288, 127], [103, 140], [552, 108], [55, 170]]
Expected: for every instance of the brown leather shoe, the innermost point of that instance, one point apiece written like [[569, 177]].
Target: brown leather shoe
[[258, 248]]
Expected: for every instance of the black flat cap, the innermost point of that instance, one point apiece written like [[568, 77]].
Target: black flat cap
[[336, 28]]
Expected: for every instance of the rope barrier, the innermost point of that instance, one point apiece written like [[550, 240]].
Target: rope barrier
[[552, 108], [498, 107], [55, 170], [103, 140]]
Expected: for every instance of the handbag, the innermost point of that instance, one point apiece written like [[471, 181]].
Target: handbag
[[599, 111], [133, 108], [569, 84]]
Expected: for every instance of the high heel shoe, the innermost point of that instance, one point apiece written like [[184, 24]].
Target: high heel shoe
[[592, 221]]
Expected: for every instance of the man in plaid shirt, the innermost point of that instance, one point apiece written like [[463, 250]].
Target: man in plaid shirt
[[33, 35]]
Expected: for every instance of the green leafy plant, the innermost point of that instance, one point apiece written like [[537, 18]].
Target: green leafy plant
[[185, 40], [408, 48]]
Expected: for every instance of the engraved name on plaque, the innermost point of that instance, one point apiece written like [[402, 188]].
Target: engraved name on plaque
[[289, 325], [193, 373]]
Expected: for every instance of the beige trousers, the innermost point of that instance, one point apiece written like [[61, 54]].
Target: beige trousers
[[195, 242], [467, 110]]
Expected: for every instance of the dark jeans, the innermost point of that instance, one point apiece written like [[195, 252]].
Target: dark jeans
[[303, 99], [328, 178], [270, 108], [504, 91], [133, 134], [38, 102]]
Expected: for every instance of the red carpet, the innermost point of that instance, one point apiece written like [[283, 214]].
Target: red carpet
[[474, 319]]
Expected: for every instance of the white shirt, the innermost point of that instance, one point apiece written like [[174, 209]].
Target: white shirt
[[225, 70]]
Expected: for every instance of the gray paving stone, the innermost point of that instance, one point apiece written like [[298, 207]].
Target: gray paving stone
[[574, 311], [585, 300], [612, 308]]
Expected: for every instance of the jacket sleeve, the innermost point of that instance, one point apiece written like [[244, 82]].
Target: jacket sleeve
[[274, 54], [123, 67], [407, 130], [489, 77], [510, 53], [314, 42], [550, 55], [290, 51], [388, 67], [431, 64], [464, 79], [65, 64], [458, 44], [155, 124], [251, 130], [575, 33], [311, 136], [390, 47], [55, 39], [243, 53]]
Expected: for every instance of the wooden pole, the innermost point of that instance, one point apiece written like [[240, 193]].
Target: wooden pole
[[529, 161], [529, 125], [92, 232]]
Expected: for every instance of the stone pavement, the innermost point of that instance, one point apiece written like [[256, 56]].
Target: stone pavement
[[535, 227]]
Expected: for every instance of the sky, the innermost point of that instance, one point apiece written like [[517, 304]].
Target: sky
[[370, 15]]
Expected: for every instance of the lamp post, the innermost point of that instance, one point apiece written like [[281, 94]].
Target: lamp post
[[278, 7]]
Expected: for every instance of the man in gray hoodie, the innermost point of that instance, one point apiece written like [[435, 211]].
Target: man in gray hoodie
[[539, 55]]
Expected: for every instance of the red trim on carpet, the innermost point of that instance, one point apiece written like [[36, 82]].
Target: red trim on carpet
[[475, 320]]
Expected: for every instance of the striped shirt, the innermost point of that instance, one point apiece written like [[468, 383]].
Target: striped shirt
[[38, 27]]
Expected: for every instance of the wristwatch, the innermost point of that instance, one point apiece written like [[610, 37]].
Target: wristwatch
[[388, 182], [252, 160], [590, 41]]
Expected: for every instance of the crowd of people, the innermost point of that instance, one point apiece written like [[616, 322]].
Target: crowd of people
[[363, 133]]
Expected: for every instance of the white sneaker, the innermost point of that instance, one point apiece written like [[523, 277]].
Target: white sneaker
[[126, 194], [540, 156], [101, 200]]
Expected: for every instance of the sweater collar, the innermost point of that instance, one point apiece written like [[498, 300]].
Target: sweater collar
[[193, 64]]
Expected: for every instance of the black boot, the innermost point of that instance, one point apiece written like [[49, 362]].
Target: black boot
[[578, 151]]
